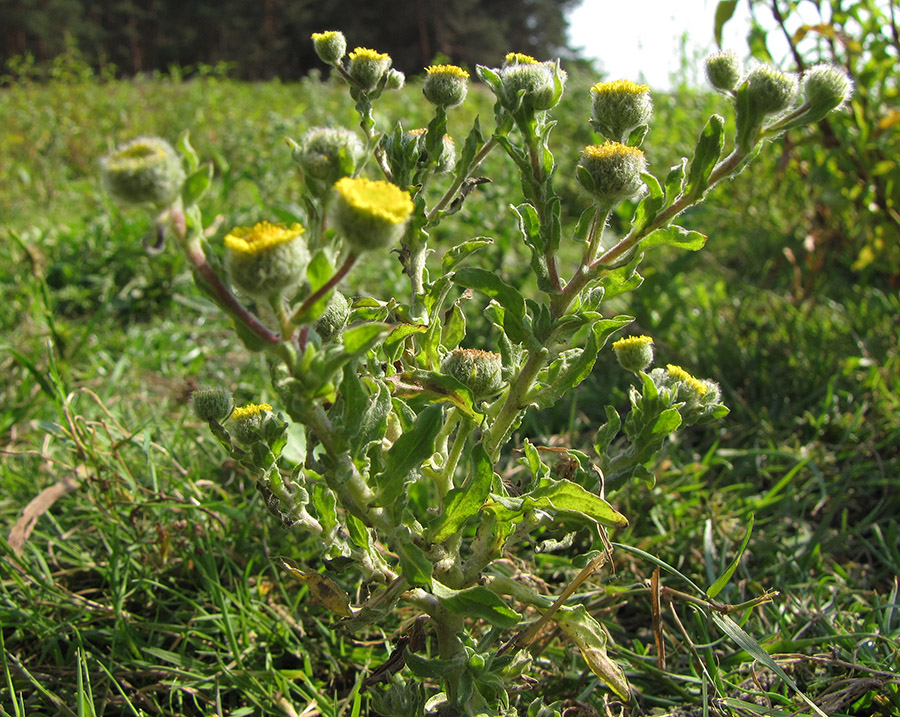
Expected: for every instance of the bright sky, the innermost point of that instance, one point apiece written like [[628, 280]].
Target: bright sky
[[641, 40]]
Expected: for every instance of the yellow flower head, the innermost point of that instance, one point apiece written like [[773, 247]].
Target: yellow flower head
[[379, 198], [447, 70], [368, 67], [611, 172], [330, 45], [251, 409], [445, 85], [609, 150], [634, 353], [266, 259], [370, 214], [517, 58], [620, 107], [261, 237], [694, 384], [364, 53], [619, 87], [631, 341]]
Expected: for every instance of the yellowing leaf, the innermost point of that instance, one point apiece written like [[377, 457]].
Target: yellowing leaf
[[322, 588]]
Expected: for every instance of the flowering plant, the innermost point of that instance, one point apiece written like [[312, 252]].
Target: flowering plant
[[406, 427]]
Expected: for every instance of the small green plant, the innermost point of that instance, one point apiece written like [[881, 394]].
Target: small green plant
[[407, 426]]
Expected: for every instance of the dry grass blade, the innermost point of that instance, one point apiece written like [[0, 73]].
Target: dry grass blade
[[39, 505]]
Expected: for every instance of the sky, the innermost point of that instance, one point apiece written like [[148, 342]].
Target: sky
[[641, 40]]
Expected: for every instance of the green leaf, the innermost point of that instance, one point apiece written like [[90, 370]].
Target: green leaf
[[755, 650], [608, 431], [324, 502], [477, 601], [433, 668], [414, 564], [507, 296], [393, 344], [187, 151], [675, 180], [440, 387], [408, 453], [724, 11], [723, 579], [706, 154], [372, 422], [674, 235], [197, 184], [455, 256], [464, 502], [591, 638], [666, 422], [488, 77], [359, 339], [318, 273], [454, 329], [562, 496], [650, 205]]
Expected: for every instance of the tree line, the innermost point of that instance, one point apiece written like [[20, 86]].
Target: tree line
[[262, 39]]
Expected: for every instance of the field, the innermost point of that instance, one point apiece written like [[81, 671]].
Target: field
[[144, 582]]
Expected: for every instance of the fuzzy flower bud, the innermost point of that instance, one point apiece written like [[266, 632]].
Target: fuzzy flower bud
[[770, 91], [370, 214], [332, 322], [479, 371], [394, 80], [611, 173], [445, 85], [618, 108], [826, 87], [213, 404], [267, 259], [246, 421], [539, 84], [367, 67], [327, 153], [634, 353], [330, 46], [144, 171], [724, 70]]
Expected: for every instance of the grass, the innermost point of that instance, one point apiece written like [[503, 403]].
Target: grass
[[149, 587]]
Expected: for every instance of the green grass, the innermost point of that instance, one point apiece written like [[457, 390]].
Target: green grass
[[150, 588]]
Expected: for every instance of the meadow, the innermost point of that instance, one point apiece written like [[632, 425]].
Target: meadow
[[142, 579]]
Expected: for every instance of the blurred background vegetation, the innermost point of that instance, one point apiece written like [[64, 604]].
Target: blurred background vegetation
[[150, 586]]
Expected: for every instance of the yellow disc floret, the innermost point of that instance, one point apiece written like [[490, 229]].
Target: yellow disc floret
[[518, 58], [679, 374], [620, 87], [635, 353], [376, 197], [251, 409], [370, 214], [261, 237], [364, 53], [449, 70]]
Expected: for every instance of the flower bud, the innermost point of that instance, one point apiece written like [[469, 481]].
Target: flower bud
[[539, 84], [634, 353], [327, 153], [367, 67], [144, 171], [611, 173], [246, 421], [479, 371], [724, 70], [370, 214], [330, 46], [267, 259], [445, 85], [826, 87], [394, 80], [618, 108], [770, 91], [212, 404], [330, 323]]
